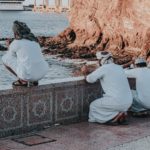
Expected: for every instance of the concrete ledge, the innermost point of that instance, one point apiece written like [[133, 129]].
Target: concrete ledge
[[62, 101]]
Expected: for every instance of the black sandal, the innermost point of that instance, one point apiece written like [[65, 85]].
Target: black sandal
[[120, 119], [141, 114], [25, 83], [19, 83], [123, 122], [35, 83], [112, 123]]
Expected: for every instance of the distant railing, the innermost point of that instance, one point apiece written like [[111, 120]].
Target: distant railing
[[45, 7]]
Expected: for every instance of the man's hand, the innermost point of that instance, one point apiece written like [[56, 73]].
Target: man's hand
[[8, 41], [84, 70]]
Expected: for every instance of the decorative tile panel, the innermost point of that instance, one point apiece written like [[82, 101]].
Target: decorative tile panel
[[39, 108], [66, 104], [91, 93], [11, 112]]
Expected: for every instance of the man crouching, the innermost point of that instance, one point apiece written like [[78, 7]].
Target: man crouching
[[117, 98]]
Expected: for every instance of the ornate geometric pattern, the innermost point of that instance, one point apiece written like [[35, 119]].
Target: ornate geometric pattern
[[66, 106], [39, 108], [9, 114], [91, 97], [91, 93], [11, 111]]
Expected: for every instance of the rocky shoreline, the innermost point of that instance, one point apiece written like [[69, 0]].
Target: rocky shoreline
[[109, 25], [64, 46]]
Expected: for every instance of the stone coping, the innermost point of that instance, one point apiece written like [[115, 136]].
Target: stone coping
[[51, 83]]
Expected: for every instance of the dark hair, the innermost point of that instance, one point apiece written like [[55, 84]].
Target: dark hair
[[148, 55], [141, 65], [23, 31], [104, 52]]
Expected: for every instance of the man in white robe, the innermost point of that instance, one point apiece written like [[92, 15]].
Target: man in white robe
[[24, 58], [112, 107], [141, 97]]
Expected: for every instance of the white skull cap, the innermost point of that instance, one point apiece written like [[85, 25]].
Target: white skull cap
[[103, 54], [140, 60]]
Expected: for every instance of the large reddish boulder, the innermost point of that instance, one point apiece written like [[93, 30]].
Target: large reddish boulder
[[120, 26]]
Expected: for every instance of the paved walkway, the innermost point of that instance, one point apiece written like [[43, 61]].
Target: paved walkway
[[141, 144], [85, 136]]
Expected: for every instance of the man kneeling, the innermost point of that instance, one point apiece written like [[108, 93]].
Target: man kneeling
[[141, 97], [117, 98]]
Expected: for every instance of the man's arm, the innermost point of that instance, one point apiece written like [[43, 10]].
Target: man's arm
[[94, 76], [11, 53], [13, 47]]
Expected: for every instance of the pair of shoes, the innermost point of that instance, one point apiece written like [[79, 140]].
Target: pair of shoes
[[120, 119], [19, 83], [116, 123], [123, 122], [34, 83], [111, 123], [25, 83], [141, 114]]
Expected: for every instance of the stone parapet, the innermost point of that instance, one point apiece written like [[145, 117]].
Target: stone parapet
[[62, 101]]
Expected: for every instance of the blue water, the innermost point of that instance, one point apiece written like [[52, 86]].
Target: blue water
[[57, 70], [48, 24], [40, 24]]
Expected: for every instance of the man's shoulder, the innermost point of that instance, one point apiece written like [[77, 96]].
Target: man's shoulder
[[112, 65], [140, 69], [136, 70], [15, 41]]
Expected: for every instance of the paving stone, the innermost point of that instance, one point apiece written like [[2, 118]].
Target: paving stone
[[141, 144], [33, 139], [89, 136]]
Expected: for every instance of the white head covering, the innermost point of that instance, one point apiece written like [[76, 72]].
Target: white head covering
[[105, 57], [103, 54], [140, 61]]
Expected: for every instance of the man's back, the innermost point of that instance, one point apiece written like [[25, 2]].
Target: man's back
[[114, 82], [142, 76], [112, 107]]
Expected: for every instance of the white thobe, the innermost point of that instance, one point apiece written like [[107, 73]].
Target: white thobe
[[142, 76], [25, 58], [117, 97]]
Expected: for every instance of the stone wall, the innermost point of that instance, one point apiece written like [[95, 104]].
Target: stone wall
[[62, 101]]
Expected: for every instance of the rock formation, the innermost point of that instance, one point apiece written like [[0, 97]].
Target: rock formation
[[120, 26]]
